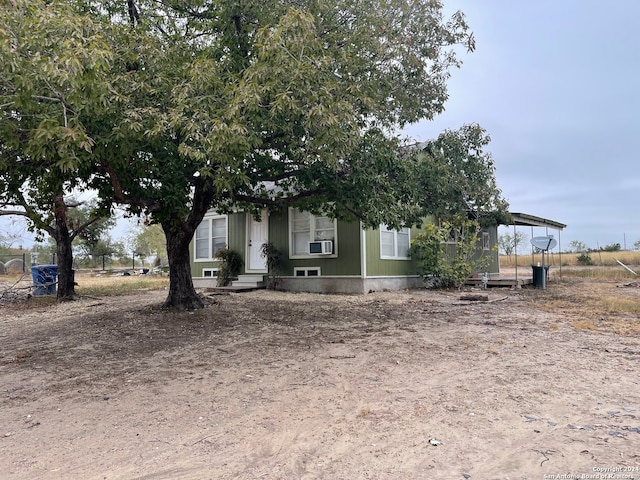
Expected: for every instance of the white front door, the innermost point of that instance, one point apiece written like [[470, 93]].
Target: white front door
[[257, 235]]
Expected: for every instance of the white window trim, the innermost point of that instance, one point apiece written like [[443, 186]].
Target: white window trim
[[312, 226], [209, 219], [486, 241], [306, 272], [385, 229], [212, 271]]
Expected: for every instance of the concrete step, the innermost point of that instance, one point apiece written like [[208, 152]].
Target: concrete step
[[249, 281]]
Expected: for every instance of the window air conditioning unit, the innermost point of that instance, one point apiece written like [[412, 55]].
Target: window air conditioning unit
[[324, 247]]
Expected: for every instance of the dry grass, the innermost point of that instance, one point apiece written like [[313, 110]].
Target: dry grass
[[119, 285], [594, 304], [587, 298], [493, 350], [99, 284], [365, 411], [603, 259], [16, 289], [584, 325], [615, 273]]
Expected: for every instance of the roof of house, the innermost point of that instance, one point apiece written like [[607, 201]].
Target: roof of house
[[527, 220]]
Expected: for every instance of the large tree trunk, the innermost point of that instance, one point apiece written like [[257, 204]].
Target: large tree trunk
[[66, 277], [66, 280], [182, 294]]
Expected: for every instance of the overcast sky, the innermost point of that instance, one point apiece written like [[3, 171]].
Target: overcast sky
[[556, 85]]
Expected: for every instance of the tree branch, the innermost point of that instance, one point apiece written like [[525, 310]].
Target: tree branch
[[118, 192], [134, 14], [32, 215], [13, 212], [275, 202], [77, 231]]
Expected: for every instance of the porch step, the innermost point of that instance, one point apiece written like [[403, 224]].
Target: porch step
[[252, 281]]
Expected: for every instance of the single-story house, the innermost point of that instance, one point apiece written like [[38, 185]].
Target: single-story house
[[318, 254]]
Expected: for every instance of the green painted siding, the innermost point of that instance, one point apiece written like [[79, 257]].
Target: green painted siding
[[483, 260], [378, 267], [236, 224], [278, 233], [348, 248], [237, 227], [490, 258], [197, 267]]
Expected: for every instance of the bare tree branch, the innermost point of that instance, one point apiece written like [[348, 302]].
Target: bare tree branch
[[14, 212]]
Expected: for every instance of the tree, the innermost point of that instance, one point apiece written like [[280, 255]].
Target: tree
[[612, 247], [636, 245], [256, 105], [578, 246], [251, 105], [509, 244], [150, 241], [52, 61], [93, 238], [5, 244], [458, 177]]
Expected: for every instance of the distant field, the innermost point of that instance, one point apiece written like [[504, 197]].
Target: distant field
[[602, 259], [90, 284]]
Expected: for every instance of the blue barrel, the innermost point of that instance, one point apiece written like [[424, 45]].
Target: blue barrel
[[44, 279]]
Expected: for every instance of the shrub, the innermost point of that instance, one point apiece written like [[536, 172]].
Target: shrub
[[612, 247], [274, 261], [230, 265], [444, 253], [584, 259]]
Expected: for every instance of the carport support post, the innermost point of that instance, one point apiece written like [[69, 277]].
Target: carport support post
[[515, 248], [544, 273], [560, 252]]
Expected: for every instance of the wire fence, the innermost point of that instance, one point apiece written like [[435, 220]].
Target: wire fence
[[13, 263]]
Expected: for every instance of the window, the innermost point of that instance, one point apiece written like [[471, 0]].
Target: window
[[394, 243], [486, 244], [305, 228], [306, 271], [453, 236], [209, 272], [211, 236]]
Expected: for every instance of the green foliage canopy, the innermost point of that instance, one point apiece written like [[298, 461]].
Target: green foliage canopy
[[260, 104], [458, 177], [53, 66]]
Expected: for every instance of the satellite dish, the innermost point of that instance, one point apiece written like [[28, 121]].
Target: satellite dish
[[544, 243]]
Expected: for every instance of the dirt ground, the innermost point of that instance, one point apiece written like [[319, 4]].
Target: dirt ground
[[272, 385]]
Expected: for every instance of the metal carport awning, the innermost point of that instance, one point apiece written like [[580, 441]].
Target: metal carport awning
[[527, 220]]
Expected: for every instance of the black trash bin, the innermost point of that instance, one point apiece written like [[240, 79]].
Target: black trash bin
[[538, 280], [44, 279]]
